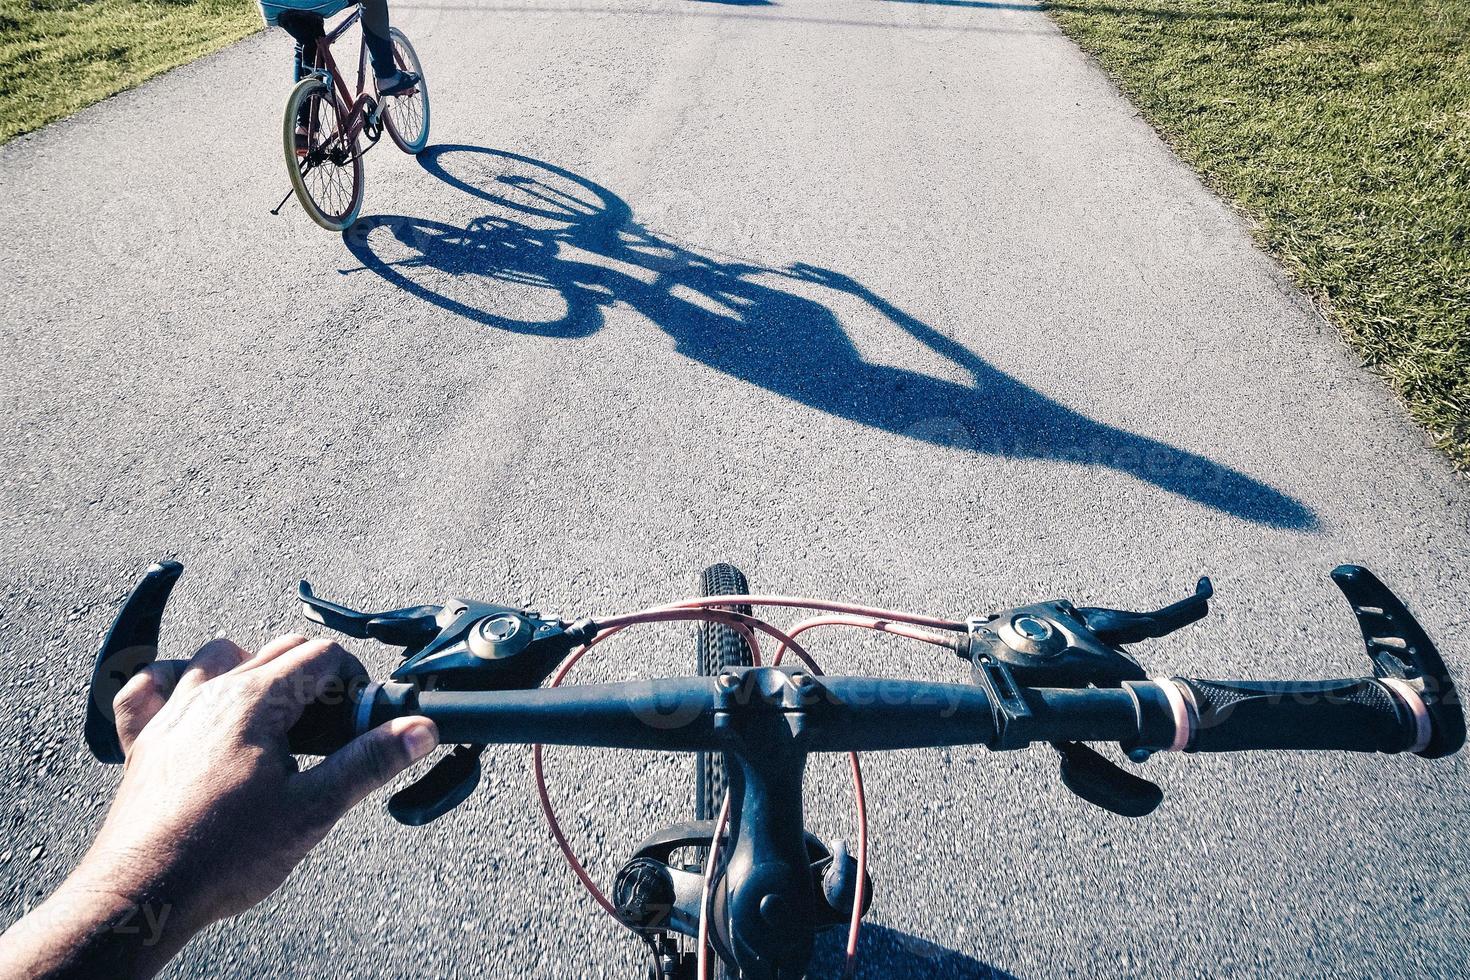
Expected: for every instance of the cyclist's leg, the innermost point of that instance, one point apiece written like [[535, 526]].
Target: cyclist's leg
[[306, 29], [391, 81], [375, 31], [301, 66]]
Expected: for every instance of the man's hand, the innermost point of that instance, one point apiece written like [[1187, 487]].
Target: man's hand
[[212, 813]]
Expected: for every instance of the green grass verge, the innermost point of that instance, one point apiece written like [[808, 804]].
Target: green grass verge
[[58, 56], [1341, 128]]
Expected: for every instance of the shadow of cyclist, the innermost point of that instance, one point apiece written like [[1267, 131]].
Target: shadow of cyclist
[[556, 250]]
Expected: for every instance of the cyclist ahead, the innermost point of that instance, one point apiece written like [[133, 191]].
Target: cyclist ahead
[[302, 19]]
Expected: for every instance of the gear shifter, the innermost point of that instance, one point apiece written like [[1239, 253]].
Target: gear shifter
[[462, 645], [1056, 644]]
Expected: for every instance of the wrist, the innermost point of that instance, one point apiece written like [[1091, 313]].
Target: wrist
[[102, 922]]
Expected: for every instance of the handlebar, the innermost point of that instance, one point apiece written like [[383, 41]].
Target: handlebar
[[1045, 672], [689, 714], [863, 714]]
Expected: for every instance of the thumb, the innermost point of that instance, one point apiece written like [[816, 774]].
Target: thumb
[[366, 763]]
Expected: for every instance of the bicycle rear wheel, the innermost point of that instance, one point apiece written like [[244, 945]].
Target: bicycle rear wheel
[[407, 116], [717, 647], [328, 179]]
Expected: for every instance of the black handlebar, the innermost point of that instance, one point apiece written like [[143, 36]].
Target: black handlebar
[[862, 714], [687, 714], [1045, 672]]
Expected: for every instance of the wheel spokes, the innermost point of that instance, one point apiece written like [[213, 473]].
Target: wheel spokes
[[329, 169], [406, 112]]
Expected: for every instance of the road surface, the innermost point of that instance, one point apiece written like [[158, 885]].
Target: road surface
[[885, 301]]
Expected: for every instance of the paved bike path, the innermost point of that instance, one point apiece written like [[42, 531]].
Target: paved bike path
[[882, 300]]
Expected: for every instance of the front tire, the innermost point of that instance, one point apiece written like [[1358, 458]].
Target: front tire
[[328, 180], [717, 647]]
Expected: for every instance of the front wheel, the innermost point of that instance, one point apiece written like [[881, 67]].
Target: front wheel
[[407, 116], [717, 647], [327, 170]]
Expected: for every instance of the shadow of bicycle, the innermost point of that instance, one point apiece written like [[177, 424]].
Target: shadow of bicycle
[[884, 952], [555, 250]]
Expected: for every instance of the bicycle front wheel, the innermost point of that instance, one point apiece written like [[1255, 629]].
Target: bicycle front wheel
[[407, 116], [327, 171], [718, 647]]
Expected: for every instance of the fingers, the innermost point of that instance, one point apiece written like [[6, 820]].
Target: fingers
[[274, 649], [142, 697], [314, 670], [317, 669], [367, 762], [306, 667], [213, 659]]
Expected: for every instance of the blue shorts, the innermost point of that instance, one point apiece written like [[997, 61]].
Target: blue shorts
[[271, 10]]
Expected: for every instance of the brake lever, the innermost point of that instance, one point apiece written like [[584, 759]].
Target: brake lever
[[1117, 627], [411, 626]]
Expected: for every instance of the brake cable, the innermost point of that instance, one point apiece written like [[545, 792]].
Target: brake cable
[[701, 955]]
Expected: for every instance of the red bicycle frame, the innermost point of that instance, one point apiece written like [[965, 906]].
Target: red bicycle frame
[[350, 121]]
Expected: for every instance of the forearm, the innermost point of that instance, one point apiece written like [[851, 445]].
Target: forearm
[[90, 928]]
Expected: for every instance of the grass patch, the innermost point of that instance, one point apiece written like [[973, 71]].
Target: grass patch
[[1341, 128], [58, 56]]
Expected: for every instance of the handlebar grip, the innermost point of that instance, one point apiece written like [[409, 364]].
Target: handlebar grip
[[1355, 714]]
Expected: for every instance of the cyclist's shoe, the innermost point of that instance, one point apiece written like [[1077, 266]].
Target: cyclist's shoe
[[399, 83], [302, 141]]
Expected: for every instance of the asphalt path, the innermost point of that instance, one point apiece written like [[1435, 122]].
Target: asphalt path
[[884, 301]]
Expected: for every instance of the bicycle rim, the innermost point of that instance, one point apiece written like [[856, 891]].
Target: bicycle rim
[[407, 116], [329, 180]]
